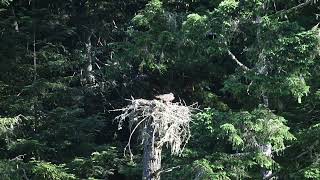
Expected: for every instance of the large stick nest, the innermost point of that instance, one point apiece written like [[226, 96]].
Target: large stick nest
[[169, 121]]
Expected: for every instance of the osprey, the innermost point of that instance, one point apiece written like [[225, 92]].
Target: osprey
[[166, 97]]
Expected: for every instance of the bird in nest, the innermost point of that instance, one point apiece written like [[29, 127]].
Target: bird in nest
[[166, 97]]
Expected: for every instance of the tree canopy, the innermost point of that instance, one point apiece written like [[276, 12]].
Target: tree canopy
[[252, 67]]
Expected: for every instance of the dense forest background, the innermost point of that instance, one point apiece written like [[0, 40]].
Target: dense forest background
[[253, 67]]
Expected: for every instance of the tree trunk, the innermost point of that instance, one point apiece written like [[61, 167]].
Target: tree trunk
[[90, 78], [151, 155], [266, 149], [15, 21]]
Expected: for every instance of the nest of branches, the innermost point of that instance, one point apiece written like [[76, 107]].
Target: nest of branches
[[169, 122]]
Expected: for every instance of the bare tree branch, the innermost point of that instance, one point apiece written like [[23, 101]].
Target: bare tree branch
[[295, 8], [167, 170], [234, 58], [270, 176], [310, 148]]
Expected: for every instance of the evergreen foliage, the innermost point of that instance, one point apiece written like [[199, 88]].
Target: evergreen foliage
[[252, 66]]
